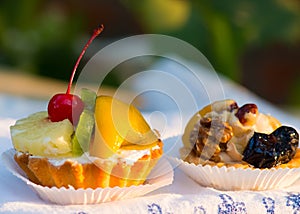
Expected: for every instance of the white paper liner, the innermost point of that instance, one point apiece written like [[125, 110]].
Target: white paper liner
[[161, 175], [231, 178]]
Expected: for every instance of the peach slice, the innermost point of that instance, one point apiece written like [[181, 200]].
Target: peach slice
[[119, 125]]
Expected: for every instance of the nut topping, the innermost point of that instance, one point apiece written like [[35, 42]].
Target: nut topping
[[212, 138], [243, 111]]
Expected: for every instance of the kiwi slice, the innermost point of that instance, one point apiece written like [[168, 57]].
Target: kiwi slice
[[82, 136], [89, 98]]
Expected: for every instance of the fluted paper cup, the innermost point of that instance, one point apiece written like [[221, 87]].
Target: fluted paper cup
[[161, 175], [232, 178]]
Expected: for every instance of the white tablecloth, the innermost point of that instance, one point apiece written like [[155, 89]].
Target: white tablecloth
[[183, 196]]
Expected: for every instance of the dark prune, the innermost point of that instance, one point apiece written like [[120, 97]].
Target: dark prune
[[266, 151]]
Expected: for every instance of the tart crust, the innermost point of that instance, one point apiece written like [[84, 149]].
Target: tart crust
[[99, 173], [294, 163]]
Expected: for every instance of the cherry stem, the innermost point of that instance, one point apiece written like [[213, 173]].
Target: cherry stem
[[97, 31]]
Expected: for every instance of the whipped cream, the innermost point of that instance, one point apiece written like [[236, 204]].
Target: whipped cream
[[127, 156]]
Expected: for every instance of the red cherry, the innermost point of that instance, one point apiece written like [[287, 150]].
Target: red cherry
[[69, 106], [65, 106]]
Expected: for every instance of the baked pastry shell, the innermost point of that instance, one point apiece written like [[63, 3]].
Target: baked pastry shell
[[96, 172]]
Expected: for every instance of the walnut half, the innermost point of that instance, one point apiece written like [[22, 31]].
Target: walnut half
[[213, 136]]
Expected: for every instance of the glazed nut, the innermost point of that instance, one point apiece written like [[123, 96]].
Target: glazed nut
[[213, 135], [246, 109], [227, 135], [205, 122], [224, 134], [233, 106], [216, 128]]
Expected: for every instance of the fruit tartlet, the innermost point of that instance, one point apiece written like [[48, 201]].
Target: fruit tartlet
[[236, 147], [86, 142]]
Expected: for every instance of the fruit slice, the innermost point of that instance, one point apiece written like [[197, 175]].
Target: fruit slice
[[37, 135], [84, 129], [89, 99], [119, 125]]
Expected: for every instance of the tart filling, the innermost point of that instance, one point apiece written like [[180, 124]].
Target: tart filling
[[223, 133]]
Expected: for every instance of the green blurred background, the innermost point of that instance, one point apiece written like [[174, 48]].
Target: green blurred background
[[255, 43]]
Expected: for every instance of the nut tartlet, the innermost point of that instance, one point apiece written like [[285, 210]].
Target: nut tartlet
[[251, 147]]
